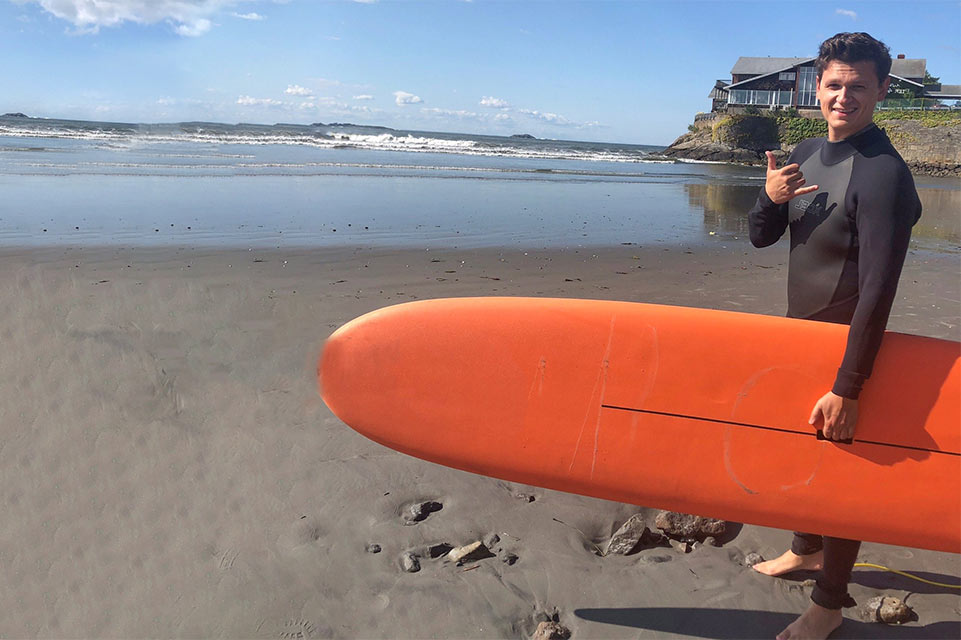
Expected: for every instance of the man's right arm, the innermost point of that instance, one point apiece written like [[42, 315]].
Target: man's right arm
[[768, 219]]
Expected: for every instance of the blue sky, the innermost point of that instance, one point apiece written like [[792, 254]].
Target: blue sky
[[621, 71]]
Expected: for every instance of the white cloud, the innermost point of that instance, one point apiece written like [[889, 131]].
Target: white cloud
[[847, 12], [502, 117], [364, 96], [457, 113], [193, 29], [249, 16], [297, 90], [187, 17], [494, 103], [553, 118], [247, 101], [402, 98]]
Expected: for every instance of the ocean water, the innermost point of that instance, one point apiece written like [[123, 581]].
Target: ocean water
[[90, 183]]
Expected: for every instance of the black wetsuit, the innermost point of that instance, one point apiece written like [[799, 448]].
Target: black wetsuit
[[848, 240], [848, 243]]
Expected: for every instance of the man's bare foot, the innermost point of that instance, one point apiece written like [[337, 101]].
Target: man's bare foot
[[790, 561], [817, 623]]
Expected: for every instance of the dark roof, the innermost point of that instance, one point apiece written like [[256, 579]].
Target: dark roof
[[719, 91], [772, 72], [910, 68], [904, 68], [946, 92], [765, 66]]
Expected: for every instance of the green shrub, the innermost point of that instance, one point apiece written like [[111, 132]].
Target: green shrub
[[926, 118], [794, 129], [692, 128]]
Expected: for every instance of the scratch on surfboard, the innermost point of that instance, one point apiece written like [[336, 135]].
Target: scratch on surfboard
[[538, 378], [602, 381]]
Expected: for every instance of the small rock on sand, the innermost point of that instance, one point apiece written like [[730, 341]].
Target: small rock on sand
[[752, 559], [683, 546], [551, 631], [410, 563], [631, 535], [373, 547], [886, 609], [418, 512], [470, 552], [688, 527]]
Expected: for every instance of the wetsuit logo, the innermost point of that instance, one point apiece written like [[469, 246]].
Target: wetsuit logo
[[808, 215]]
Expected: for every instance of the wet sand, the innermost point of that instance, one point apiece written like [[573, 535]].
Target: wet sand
[[169, 470]]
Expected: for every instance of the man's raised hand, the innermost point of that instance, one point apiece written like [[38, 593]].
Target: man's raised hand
[[783, 184]]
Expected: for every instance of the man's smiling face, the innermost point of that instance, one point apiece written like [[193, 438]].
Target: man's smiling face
[[848, 95]]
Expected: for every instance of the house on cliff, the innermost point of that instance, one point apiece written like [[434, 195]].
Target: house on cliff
[[792, 82]]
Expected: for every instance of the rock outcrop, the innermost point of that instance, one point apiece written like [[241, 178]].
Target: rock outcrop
[[933, 151]]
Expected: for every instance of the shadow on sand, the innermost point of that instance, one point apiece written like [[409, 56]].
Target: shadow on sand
[[735, 623]]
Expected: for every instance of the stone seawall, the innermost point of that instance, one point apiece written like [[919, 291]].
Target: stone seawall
[[933, 151]]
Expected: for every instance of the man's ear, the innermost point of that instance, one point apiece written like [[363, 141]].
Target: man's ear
[[884, 88]]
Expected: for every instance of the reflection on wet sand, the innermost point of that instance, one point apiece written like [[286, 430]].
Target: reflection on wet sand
[[940, 217], [725, 208]]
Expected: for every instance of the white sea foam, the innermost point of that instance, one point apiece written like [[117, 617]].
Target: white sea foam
[[333, 139]]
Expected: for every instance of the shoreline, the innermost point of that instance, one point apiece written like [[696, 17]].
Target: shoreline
[[166, 452]]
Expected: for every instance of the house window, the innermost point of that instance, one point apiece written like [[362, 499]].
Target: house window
[[807, 87], [786, 75], [761, 98]]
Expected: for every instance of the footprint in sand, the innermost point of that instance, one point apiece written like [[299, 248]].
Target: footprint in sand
[[306, 530], [297, 629], [290, 629]]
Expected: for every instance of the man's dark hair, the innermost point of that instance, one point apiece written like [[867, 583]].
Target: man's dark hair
[[855, 47]]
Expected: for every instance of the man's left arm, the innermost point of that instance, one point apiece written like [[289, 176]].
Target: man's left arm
[[886, 209]]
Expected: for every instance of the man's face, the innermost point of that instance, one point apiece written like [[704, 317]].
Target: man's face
[[848, 95]]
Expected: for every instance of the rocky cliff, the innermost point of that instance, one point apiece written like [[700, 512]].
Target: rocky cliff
[[930, 145]]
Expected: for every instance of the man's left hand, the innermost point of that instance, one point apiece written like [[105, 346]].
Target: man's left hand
[[839, 416]]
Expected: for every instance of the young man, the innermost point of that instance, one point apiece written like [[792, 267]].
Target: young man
[[850, 202]]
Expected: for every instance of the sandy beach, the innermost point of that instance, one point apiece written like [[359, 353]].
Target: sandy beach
[[169, 469]]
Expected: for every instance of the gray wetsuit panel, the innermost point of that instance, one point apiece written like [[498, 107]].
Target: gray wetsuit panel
[[821, 236]]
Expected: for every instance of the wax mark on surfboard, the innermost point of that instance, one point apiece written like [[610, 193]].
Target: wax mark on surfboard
[[752, 469], [758, 467], [595, 405]]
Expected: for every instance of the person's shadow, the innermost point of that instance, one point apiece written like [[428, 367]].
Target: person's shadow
[[739, 624]]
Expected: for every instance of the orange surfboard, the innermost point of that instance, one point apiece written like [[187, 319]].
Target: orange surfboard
[[691, 410]]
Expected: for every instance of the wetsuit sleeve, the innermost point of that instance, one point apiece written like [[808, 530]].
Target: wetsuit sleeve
[[887, 206], [766, 221]]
